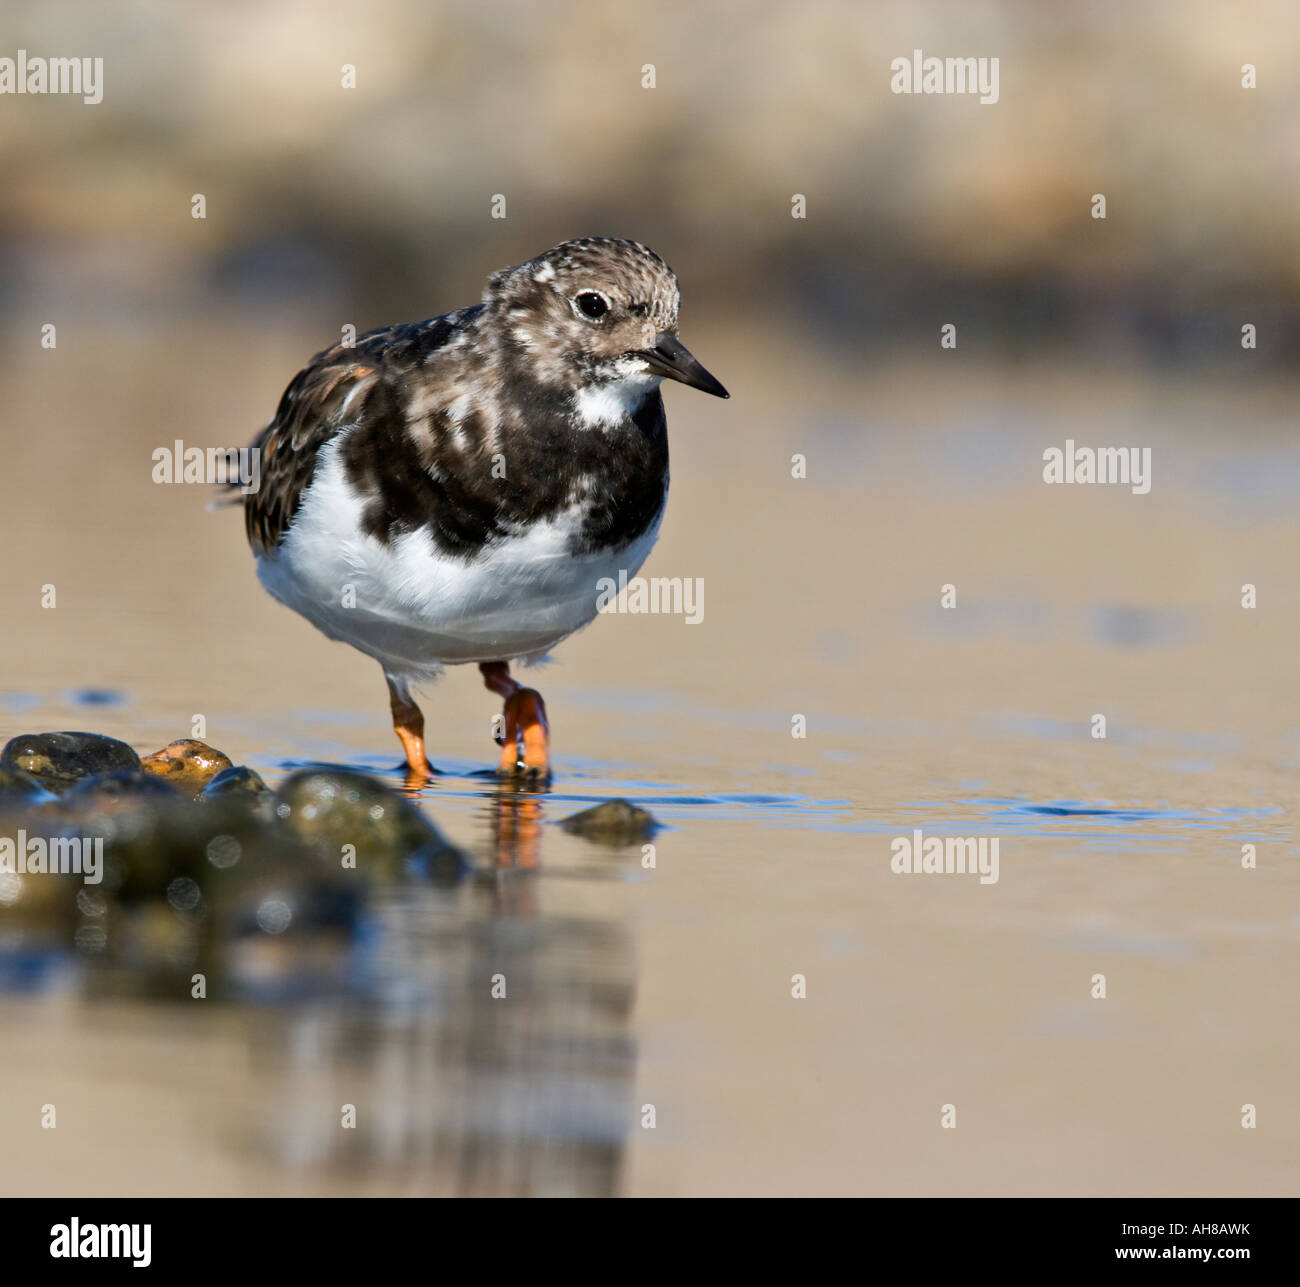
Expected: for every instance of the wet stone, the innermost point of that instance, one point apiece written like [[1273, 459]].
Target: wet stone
[[119, 805], [440, 863], [330, 808], [187, 764], [171, 887], [238, 782], [233, 900], [18, 787], [104, 791], [58, 760], [615, 822], [152, 833]]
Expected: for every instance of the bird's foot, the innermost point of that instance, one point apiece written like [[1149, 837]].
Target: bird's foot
[[526, 737], [526, 745]]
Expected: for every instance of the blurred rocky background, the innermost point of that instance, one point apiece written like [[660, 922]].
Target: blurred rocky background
[[328, 205]]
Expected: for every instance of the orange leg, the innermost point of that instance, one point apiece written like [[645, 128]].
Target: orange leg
[[408, 724], [527, 733]]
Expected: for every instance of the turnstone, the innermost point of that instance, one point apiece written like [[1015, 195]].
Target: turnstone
[[453, 490]]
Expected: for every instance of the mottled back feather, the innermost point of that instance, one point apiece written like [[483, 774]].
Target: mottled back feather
[[466, 425]]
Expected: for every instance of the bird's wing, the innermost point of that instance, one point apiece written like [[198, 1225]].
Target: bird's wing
[[326, 396], [322, 398]]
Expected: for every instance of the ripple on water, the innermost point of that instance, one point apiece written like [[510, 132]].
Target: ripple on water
[[1102, 826]]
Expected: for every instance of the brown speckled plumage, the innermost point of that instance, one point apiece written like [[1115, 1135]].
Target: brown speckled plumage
[[464, 424], [461, 490]]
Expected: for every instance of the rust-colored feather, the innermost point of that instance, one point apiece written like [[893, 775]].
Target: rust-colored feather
[[308, 416]]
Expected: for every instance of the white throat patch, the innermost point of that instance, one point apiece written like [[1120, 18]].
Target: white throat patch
[[604, 406]]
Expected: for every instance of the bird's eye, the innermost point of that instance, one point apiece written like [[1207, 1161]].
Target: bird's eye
[[592, 304]]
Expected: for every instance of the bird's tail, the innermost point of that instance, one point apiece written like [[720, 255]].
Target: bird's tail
[[233, 491], [227, 495]]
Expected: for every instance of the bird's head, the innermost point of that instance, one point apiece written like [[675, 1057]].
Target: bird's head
[[599, 314]]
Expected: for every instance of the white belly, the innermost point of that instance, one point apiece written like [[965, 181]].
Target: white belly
[[414, 609]]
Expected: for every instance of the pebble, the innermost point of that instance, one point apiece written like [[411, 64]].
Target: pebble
[[328, 809], [187, 764], [59, 760], [615, 822]]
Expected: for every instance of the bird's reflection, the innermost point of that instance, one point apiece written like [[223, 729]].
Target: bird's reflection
[[459, 1026], [490, 1050], [516, 824]]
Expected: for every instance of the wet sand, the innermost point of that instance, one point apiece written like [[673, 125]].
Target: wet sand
[[671, 986]]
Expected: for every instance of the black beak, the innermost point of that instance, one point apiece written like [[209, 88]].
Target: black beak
[[673, 360]]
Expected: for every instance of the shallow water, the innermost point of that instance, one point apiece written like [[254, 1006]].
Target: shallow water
[[670, 985]]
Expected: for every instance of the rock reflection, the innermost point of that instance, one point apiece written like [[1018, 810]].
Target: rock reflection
[[492, 1051], [413, 1024]]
